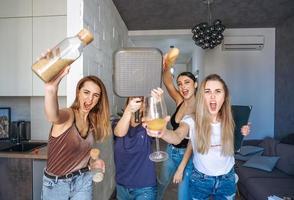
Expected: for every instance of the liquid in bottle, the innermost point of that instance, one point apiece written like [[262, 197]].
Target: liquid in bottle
[[62, 55]]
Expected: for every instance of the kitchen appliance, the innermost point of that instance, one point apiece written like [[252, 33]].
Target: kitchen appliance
[[21, 131]]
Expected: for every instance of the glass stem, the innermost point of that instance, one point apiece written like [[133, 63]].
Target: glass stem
[[157, 144]]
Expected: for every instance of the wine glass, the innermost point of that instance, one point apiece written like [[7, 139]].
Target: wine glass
[[154, 113]]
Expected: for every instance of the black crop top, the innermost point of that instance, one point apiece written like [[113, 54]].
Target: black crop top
[[175, 125]]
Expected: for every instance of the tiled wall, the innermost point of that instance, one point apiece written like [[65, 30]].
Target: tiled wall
[[110, 34]]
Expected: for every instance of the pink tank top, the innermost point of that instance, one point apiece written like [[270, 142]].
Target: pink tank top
[[68, 152]]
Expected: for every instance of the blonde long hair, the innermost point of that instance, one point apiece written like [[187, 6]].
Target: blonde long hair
[[203, 120], [99, 115]]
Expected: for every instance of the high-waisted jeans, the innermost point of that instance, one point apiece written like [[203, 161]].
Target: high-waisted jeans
[[78, 187], [219, 187]]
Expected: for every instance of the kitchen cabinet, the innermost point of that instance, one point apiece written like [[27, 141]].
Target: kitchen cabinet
[[47, 8], [15, 8], [24, 34], [47, 32], [15, 56], [21, 178], [22, 174], [16, 179]]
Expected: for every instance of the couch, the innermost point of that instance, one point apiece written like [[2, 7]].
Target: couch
[[257, 184]]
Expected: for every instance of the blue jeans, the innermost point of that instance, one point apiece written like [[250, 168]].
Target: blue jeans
[[79, 187], [219, 187], [144, 193], [168, 170]]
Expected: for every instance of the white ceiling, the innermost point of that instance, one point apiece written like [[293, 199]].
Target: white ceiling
[[163, 39]]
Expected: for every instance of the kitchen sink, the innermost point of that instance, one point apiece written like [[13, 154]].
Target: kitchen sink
[[24, 147]]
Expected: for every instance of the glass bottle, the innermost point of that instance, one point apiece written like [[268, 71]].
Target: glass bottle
[[62, 55], [97, 173], [171, 56]]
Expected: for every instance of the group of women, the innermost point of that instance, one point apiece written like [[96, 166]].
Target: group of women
[[201, 143]]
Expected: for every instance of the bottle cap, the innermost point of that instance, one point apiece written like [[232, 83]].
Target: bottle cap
[[94, 153], [172, 56], [86, 36]]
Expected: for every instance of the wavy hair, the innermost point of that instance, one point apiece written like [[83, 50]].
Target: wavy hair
[[203, 120], [99, 115]]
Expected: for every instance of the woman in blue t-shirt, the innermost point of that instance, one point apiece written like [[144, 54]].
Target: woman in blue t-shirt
[[135, 172]]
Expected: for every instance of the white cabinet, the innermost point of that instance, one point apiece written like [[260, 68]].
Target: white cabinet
[[46, 8], [15, 56], [47, 32], [28, 28], [15, 8]]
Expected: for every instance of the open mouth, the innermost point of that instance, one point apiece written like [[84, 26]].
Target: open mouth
[[185, 92], [213, 106], [87, 106]]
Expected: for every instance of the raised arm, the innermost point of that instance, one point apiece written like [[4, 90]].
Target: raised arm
[[123, 124], [168, 82], [52, 111]]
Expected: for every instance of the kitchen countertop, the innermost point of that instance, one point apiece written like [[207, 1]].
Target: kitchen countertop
[[39, 153]]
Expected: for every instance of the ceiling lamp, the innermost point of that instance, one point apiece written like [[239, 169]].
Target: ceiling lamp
[[206, 34]]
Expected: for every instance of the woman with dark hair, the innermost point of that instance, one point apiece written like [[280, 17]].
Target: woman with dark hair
[[184, 98], [73, 133]]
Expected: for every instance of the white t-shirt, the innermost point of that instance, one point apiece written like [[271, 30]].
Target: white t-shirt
[[213, 163]]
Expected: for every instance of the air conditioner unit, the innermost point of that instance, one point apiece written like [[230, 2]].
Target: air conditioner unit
[[240, 43]]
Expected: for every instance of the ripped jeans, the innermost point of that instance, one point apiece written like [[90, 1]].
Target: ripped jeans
[[219, 187]]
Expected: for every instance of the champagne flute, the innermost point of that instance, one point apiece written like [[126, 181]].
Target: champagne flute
[[154, 113]]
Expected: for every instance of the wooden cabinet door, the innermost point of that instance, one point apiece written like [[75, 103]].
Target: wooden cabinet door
[[16, 179]]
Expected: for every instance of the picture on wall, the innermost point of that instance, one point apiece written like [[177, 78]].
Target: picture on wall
[[4, 122]]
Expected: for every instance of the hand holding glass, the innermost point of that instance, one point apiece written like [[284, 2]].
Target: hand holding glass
[[155, 112]]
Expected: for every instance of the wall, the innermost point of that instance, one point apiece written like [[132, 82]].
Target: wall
[[31, 23], [40, 126], [250, 76], [284, 85], [110, 34], [20, 107]]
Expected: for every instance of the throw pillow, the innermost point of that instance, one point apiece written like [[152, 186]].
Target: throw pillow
[[266, 163], [247, 150], [247, 157]]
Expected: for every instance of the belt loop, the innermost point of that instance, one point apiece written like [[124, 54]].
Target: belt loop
[[56, 179]]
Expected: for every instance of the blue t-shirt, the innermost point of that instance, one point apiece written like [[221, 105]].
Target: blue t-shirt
[[134, 169]]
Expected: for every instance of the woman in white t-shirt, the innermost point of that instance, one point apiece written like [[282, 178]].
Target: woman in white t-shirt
[[212, 139]]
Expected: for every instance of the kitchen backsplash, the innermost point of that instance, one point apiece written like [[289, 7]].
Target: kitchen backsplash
[[20, 107], [30, 109]]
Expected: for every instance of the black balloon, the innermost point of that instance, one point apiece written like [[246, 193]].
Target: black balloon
[[206, 36]]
